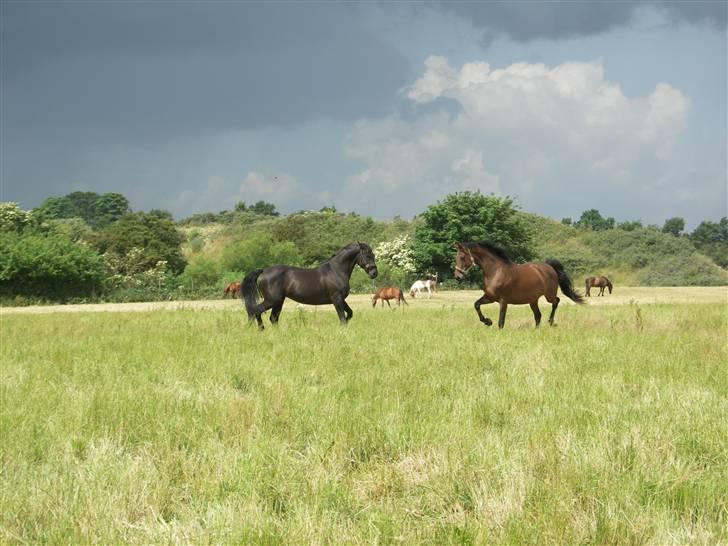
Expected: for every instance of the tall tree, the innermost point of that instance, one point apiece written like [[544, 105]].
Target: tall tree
[[674, 226], [594, 220], [158, 239], [467, 216]]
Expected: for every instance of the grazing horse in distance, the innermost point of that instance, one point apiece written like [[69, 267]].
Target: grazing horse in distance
[[505, 282], [388, 293], [327, 283], [600, 282], [233, 289], [420, 285]]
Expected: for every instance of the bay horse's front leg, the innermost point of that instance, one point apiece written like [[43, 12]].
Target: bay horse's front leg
[[477, 305], [502, 315]]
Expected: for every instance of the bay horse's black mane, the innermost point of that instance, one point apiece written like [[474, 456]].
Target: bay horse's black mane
[[494, 249]]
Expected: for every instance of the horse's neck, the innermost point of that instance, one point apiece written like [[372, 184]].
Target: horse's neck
[[488, 263], [346, 260]]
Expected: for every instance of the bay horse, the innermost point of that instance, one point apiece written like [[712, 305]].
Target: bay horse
[[505, 282], [388, 293], [419, 285], [600, 282], [327, 283], [233, 289]]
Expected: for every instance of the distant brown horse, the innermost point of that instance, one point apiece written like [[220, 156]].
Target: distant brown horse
[[505, 282], [388, 293], [233, 289], [600, 282]]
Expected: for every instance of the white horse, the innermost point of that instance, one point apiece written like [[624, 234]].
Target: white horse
[[419, 286]]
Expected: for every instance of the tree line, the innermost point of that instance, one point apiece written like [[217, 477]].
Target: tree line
[[87, 246]]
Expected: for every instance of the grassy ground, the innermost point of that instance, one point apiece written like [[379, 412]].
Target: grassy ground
[[414, 426]]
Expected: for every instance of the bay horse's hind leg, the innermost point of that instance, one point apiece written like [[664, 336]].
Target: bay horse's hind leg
[[536, 313], [477, 305]]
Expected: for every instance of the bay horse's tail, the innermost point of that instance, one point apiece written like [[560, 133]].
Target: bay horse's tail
[[565, 282], [401, 297], [249, 292]]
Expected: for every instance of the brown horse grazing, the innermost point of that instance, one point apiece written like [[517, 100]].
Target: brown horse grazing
[[388, 293], [505, 282], [233, 289], [600, 282]]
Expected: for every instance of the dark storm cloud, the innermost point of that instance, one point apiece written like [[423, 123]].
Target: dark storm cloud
[[159, 67], [524, 21]]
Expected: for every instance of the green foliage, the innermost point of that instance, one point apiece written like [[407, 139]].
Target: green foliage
[[259, 250], [157, 238], [592, 219], [47, 265], [629, 225], [13, 218], [566, 221], [201, 272], [467, 216], [264, 208], [165, 214], [674, 226]]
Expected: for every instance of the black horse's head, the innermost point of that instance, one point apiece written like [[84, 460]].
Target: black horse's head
[[365, 260]]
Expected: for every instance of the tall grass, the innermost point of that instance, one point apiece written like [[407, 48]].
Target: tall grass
[[414, 426]]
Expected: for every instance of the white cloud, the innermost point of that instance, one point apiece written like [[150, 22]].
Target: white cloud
[[527, 130]]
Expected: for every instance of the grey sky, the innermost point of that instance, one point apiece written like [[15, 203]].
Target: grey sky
[[192, 107]]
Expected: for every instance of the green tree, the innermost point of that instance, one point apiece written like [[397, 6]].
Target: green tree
[[108, 208], [711, 238], [266, 209], [161, 213], [592, 219], [240, 206], [158, 239], [674, 226], [467, 216], [566, 221]]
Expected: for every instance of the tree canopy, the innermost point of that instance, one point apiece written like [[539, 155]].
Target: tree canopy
[[467, 216]]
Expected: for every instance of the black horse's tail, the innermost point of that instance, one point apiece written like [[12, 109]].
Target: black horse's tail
[[565, 282], [249, 292], [401, 296]]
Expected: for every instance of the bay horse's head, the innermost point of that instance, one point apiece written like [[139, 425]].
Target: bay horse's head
[[609, 284], [464, 261], [365, 260]]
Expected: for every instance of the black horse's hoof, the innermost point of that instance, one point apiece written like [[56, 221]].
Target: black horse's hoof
[[488, 322]]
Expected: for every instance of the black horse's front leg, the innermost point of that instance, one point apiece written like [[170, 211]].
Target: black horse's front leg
[[477, 305], [348, 310], [339, 304]]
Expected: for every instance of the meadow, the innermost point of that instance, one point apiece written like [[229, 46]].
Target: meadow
[[411, 426]]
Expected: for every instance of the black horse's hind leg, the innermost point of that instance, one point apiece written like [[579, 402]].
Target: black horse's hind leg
[[554, 305], [260, 309], [536, 313], [502, 315], [275, 312], [477, 305]]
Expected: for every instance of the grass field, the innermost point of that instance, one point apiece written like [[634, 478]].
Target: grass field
[[410, 426]]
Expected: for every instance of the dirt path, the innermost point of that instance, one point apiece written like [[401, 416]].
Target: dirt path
[[621, 296]]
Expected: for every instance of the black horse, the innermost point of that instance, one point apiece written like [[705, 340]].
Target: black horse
[[328, 283]]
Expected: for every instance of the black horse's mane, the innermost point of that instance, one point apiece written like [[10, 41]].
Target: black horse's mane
[[494, 249], [347, 247]]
